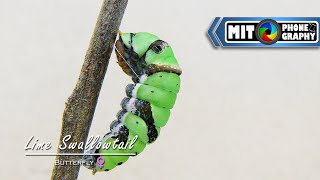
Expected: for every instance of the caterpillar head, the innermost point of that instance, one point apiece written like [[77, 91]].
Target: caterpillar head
[[143, 53]]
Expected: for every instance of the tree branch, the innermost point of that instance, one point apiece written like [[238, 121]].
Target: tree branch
[[80, 106]]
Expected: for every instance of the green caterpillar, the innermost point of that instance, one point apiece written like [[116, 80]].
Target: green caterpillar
[[146, 109]]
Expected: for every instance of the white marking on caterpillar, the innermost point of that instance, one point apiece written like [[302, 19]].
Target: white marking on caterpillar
[[131, 105], [115, 129], [143, 78], [135, 90]]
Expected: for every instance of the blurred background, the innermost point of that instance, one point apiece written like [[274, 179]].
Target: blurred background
[[242, 114]]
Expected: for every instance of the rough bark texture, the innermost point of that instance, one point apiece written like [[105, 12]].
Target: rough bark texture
[[80, 106]]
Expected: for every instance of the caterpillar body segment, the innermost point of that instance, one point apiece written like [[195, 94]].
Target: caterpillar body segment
[[139, 42], [155, 96], [172, 81], [154, 114], [151, 64], [111, 162]]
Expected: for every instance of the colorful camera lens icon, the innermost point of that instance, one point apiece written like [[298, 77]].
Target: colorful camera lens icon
[[268, 31]]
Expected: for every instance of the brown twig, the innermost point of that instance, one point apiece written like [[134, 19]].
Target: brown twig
[[80, 106]]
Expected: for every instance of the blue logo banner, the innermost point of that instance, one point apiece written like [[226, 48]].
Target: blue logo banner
[[265, 32]]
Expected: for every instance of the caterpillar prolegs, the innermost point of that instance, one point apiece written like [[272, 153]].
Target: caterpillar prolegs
[[146, 109]]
